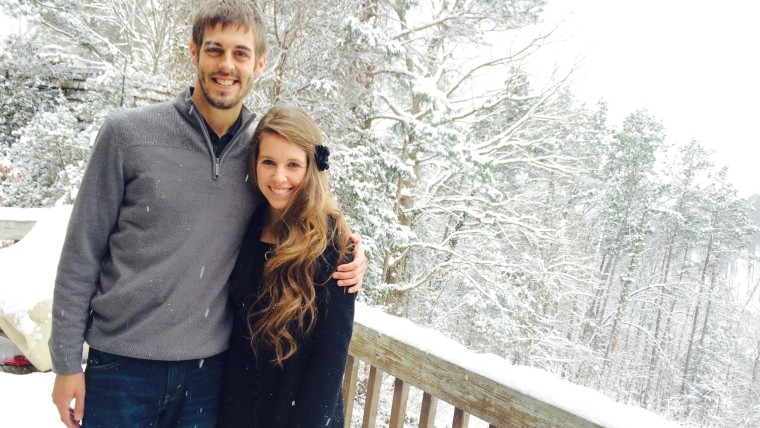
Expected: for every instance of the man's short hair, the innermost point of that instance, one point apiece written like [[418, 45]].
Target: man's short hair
[[240, 13]]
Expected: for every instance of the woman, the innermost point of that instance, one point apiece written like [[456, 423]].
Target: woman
[[292, 322]]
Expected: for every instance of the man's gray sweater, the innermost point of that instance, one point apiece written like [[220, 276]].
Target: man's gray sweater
[[153, 236]]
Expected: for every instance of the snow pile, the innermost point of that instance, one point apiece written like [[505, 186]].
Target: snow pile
[[22, 214], [585, 402], [26, 291], [25, 401]]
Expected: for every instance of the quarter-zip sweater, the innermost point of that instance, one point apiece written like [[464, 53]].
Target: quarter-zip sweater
[[153, 236]]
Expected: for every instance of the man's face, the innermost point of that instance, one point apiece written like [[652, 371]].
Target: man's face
[[226, 66]]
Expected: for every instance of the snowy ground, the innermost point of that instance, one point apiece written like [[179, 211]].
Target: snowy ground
[[25, 401]]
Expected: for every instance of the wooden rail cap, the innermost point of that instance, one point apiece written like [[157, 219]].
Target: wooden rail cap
[[477, 395]]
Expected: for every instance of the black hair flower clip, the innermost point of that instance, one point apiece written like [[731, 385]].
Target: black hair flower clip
[[321, 156]]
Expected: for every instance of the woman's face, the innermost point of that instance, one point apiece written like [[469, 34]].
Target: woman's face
[[280, 170]]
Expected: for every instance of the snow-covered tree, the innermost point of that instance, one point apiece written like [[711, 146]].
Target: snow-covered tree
[[48, 160], [491, 205], [28, 86]]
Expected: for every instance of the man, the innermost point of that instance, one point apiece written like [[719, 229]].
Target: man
[[153, 236]]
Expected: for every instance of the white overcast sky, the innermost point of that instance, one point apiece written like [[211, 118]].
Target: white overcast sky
[[694, 64]]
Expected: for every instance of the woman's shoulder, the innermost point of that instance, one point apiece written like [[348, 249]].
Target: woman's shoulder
[[337, 236]]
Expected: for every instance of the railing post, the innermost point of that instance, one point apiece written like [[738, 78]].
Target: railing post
[[349, 388], [398, 408], [373, 397], [461, 419], [427, 413]]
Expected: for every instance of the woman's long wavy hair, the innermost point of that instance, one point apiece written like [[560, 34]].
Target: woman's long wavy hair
[[310, 222]]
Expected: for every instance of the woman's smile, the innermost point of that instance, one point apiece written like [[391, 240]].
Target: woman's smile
[[280, 169]]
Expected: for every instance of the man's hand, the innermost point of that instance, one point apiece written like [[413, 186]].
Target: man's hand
[[65, 388], [352, 274]]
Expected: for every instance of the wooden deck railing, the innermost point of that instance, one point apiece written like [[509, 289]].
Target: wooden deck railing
[[470, 393]]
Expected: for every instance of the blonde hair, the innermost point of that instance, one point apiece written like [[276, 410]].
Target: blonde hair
[[309, 224]]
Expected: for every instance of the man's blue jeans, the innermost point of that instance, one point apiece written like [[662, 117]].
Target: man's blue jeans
[[123, 392]]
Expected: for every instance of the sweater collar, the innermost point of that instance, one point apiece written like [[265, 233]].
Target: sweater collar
[[185, 105]]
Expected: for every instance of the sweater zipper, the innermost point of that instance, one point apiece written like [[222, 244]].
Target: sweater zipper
[[217, 160], [234, 139]]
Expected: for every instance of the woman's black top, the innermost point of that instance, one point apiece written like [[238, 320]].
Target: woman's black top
[[306, 392]]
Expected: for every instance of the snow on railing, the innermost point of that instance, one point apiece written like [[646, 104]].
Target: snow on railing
[[482, 385]]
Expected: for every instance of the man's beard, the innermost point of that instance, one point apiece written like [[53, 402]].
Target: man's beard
[[219, 103]]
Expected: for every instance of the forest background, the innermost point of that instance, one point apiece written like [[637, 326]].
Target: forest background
[[493, 206]]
